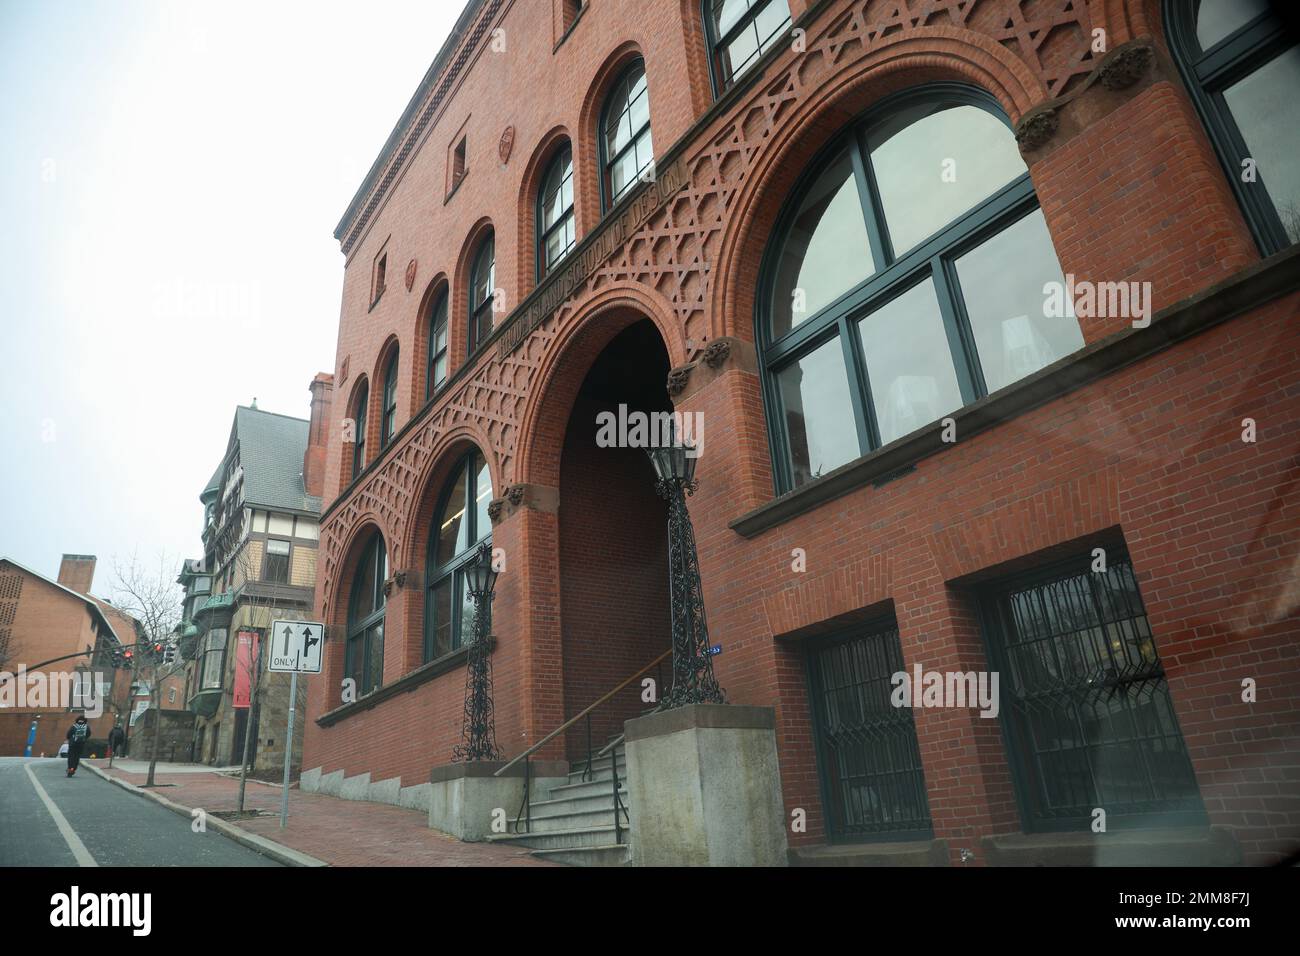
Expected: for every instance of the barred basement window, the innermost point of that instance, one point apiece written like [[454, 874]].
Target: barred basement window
[[1085, 705], [1240, 59], [363, 659], [906, 279], [739, 32], [462, 523], [873, 785]]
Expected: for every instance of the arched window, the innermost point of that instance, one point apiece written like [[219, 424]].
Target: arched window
[[482, 286], [462, 522], [739, 32], [388, 424], [364, 657], [359, 429], [556, 233], [1241, 61], [436, 372], [625, 147], [906, 278]]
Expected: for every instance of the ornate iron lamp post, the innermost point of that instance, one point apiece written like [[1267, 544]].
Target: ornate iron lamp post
[[479, 728], [693, 680]]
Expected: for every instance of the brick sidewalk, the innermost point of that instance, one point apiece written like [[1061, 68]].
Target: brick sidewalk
[[339, 832]]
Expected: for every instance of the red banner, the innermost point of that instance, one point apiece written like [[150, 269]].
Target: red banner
[[245, 655]]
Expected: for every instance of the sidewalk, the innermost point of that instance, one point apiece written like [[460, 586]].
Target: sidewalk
[[338, 832]]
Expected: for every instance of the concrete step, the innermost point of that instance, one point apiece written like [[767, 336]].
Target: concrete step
[[572, 820], [600, 771], [560, 839], [601, 798], [613, 854], [592, 788]]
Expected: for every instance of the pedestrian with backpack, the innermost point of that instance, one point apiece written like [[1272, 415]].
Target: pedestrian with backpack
[[78, 734]]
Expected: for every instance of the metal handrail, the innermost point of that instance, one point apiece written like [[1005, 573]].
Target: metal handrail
[[526, 807], [581, 714]]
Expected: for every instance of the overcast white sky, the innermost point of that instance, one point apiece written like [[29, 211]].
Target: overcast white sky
[[170, 177]]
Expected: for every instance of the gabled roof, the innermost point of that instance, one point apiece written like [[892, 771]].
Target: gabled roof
[[271, 450], [95, 604]]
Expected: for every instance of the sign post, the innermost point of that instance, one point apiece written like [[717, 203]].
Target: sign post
[[295, 647]]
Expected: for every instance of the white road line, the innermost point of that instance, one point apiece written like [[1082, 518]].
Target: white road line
[[74, 842]]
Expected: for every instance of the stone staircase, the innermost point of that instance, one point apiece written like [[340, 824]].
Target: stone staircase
[[573, 823]]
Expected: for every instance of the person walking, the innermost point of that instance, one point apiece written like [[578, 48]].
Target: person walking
[[117, 740], [78, 734]]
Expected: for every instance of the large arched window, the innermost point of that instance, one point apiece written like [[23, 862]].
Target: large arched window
[[906, 279], [436, 373], [1241, 62], [388, 421], [359, 413], [739, 32], [364, 656], [625, 147], [461, 524], [482, 287], [556, 232]]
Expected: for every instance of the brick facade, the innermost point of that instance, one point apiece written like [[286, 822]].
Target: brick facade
[[1146, 453]]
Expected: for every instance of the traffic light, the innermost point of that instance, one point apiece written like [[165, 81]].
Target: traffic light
[[169, 653]]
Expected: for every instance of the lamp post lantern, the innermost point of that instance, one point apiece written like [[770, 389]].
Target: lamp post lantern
[[478, 732], [693, 680]]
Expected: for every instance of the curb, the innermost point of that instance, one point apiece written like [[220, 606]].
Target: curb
[[260, 844]]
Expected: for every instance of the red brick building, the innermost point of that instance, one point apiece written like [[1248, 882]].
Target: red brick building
[[989, 310], [43, 620]]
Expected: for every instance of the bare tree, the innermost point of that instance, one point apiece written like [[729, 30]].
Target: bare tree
[[262, 610], [152, 598]]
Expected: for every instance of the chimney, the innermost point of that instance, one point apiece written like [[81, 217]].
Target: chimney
[[313, 462], [77, 572]]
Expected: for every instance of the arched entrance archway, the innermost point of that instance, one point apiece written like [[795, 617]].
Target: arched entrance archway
[[613, 543]]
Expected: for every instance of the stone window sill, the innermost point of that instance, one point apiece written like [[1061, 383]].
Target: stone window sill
[[404, 684], [1247, 290]]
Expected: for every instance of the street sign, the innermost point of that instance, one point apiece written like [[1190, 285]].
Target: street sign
[[296, 646]]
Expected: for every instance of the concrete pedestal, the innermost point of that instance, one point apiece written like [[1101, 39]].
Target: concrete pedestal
[[704, 787], [464, 797]]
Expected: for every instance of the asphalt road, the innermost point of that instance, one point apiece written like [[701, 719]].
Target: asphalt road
[[87, 821]]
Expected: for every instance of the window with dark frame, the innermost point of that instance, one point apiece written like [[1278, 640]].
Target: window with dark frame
[[892, 296], [359, 430], [873, 782], [1085, 706], [458, 164], [1240, 60], [363, 659], [482, 290], [436, 371], [388, 423], [739, 32], [275, 567], [556, 227], [213, 667], [626, 149], [462, 523], [381, 270]]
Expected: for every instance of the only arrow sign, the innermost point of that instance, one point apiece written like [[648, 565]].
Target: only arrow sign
[[288, 635]]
